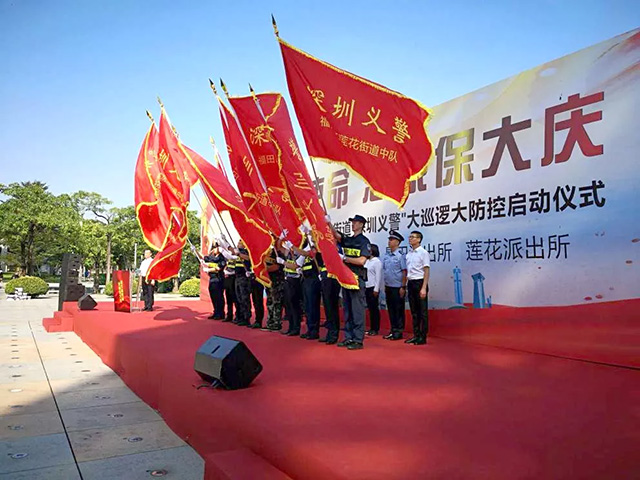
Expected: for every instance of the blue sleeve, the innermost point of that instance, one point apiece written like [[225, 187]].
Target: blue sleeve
[[403, 262]]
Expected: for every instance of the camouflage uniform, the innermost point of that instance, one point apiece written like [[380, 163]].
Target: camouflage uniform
[[275, 296]]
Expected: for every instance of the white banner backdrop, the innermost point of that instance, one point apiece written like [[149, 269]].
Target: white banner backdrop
[[532, 198]]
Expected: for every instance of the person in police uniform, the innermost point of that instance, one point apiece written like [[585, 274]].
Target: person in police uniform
[[256, 292], [311, 262], [214, 265], [242, 283], [394, 267], [356, 248], [292, 290], [275, 294]]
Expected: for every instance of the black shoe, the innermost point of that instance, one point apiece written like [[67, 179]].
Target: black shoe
[[304, 335], [345, 343], [332, 341], [395, 337], [292, 334], [420, 341], [355, 346], [226, 320], [242, 324], [211, 317], [323, 339], [256, 325], [388, 337], [372, 333], [411, 340], [218, 318], [312, 337], [274, 328]]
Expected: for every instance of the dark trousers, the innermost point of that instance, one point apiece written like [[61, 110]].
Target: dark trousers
[[292, 303], [275, 300], [216, 294], [257, 298], [147, 294], [395, 308], [374, 309], [331, 301], [354, 312], [419, 309], [243, 298], [312, 291], [230, 296]]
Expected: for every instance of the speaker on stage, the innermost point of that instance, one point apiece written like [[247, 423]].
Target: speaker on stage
[[71, 289], [228, 362], [87, 302]]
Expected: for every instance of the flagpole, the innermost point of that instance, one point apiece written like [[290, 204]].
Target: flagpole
[[255, 165], [224, 120], [216, 155], [194, 194]]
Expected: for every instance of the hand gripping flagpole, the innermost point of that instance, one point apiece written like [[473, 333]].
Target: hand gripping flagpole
[[255, 165]]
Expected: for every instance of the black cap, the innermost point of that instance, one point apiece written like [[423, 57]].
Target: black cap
[[358, 218], [396, 235]]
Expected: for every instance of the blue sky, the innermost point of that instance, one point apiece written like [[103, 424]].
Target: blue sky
[[77, 76]]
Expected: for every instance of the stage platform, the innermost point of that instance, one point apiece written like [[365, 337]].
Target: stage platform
[[449, 410]]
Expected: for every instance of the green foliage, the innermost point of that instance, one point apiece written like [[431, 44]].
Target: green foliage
[[108, 289], [36, 225], [190, 288], [165, 287], [33, 286]]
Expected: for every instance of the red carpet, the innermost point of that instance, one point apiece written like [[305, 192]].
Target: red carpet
[[391, 411]]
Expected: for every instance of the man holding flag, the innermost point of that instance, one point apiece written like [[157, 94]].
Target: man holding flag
[[356, 249]]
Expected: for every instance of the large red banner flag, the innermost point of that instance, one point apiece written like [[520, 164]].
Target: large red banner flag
[[175, 188], [267, 157], [379, 134], [222, 196], [270, 109], [151, 213], [253, 195]]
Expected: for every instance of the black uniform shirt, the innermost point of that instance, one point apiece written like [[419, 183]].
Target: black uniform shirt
[[354, 247], [242, 266], [221, 262]]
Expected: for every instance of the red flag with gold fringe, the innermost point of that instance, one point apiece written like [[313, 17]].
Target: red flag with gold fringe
[[151, 213], [273, 114], [175, 188], [253, 195], [380, 134], [223, 196], [267, 157]]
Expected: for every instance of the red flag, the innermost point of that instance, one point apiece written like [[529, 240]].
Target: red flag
[[267, 155], [222, 195], [151, 213], [378, 133], [296, 175], [253, 195], [175, 188]]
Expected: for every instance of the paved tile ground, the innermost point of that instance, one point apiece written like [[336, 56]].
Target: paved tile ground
[[64, 415]]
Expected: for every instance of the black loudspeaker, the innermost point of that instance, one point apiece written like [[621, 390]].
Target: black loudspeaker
[[87, 302], [70, 287], [228, 362]]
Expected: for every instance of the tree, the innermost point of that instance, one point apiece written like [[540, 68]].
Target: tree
[[35, 224], [96, 204], [93, 247], [126, 235]]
